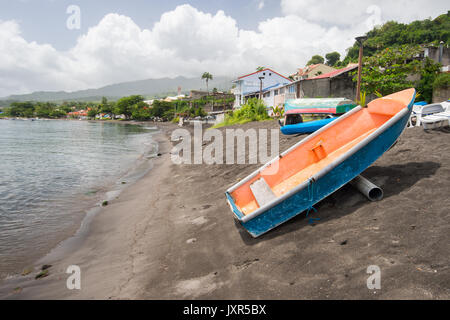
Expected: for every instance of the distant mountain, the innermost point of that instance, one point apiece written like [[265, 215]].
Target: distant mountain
[[148, 88]]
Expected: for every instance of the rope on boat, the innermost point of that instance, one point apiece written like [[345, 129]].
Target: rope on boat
[[311, 182]]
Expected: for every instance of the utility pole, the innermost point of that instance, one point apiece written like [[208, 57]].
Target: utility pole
[[260, 87], [360, 41]]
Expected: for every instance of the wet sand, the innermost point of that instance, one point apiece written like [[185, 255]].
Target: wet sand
[[171, 235]]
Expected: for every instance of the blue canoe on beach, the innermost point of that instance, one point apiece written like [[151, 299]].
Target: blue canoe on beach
[[326, 110], [305, 127], [320, 164]]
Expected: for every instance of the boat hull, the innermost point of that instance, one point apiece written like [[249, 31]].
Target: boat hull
[[322, 186], [305, 127]]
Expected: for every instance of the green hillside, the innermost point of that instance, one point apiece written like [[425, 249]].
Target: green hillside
[[393, 34]]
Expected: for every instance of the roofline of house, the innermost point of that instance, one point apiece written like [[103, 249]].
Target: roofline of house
[[324, 76], [266, 89], [262, 71]]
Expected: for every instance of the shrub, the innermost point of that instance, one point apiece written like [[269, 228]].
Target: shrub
[[253, 110], [442, 81]]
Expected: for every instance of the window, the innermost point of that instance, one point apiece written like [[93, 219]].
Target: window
[[276, 92], [266, 95], [281, 90], [291, 89]]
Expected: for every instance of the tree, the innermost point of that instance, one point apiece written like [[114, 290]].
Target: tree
[[141, 111], [22, 109], [332, 58], [106, 107], [391, 70], [125, 105], [160, 108], [46, 110], [258, 69], [396, 34], [316, 59], [207, 76], [92, 112], [429, 73]]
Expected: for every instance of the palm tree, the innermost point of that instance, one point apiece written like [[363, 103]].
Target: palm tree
[[277, 111], [207, 76], [260, 69]]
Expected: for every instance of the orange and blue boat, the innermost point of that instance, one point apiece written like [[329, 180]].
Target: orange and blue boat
[[320, 164]]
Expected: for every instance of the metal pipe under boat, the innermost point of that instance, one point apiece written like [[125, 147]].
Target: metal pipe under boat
[[367, 188]]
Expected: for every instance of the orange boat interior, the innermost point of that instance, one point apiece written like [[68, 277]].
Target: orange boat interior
[[312, 156]]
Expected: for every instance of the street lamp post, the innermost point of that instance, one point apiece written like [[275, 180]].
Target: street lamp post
[[360, 41], [260, 87]]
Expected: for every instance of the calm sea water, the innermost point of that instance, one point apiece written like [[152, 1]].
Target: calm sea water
[[51, 172]]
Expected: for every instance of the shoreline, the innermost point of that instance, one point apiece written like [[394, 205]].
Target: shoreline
[[171, 235], [89, 204], [64, 251]]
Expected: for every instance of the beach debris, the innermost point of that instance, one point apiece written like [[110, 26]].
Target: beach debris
[[104, 203], [26, 271], [159, 154], [46, 266], [42, 274], [192, 240], [17, 290], [124, 182], [245, 264], [199, 220], [343, 243]]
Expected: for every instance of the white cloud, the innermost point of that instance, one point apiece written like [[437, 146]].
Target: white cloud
[[351, 12], [185, 41]]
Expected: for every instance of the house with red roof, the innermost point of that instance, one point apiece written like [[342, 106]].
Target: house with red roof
[[336, 83], [311, 71], [251, 85]]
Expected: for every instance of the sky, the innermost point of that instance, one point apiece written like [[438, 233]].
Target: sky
[[71, 45]]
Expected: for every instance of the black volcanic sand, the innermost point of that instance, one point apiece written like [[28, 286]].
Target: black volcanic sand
[[172, 236]]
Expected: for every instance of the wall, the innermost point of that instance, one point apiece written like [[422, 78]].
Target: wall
[[441, 94], [341, 86], [278, 100], [319, 88], [433, 53]]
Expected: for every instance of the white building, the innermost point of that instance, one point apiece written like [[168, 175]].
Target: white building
[[249, 86]]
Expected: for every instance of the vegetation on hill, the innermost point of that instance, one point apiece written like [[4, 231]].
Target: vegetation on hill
[[132, 107], [395, 34], [398, 68], [150, 88], [316, 59], [392, 35]]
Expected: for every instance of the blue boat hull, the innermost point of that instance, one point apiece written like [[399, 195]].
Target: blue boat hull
[[305, 127], [325, 185]]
